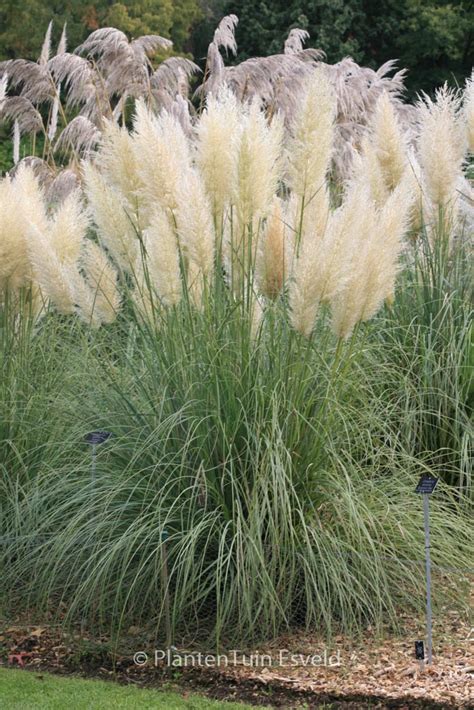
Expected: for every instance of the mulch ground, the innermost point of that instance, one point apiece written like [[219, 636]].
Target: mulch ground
[[373, 672]]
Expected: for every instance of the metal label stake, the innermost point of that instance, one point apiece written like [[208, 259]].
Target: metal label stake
[[166, 589], [95, 438], [425, 487]]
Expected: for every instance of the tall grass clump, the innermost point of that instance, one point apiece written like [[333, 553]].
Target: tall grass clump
[[279, 355]]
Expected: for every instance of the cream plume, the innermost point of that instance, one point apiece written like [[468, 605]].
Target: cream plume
[[322, 268], [54, 247], [441, 146], [58, 282], [68, 229], [374, 265], [468, 109], [367, 171], [119, 161], [259, 166], [311, 146], [194, 223], [274, 253], [218, 138], [162, 155], [21, 203], [113, 216], [159, 268], [388, 141], [392, 223], [14, 264]]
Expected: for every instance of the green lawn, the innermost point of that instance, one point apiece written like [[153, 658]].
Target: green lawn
[[41, 691]]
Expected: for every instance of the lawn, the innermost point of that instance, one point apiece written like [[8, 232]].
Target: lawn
[[21, 689]]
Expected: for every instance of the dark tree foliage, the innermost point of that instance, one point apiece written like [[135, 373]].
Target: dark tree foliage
[[433, 39], [23, 24]]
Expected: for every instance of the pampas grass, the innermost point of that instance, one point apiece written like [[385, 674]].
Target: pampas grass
[[468, 108], [113, 217], [442, 147], [218, 139], [278, 352]]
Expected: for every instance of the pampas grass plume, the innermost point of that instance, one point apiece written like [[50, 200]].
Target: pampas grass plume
[[388, 142], [274, 253], [162, 156], [118, 161], [160, 264], [68, 229], [195, 224], [311, 146], [218, 138], [468, 108], [113, 217], [259, 165], [441, 146]]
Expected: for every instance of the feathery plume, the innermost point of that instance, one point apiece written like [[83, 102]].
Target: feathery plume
[[179, 110], [347, 303], [68, 228], [367, 170], [295, 41], [22, 111], [258, 173], [218, 135], [46, 48], [441, 146], [65, 182], [125, 66], [16, 141], [54, 247], [374, 260], [468, 109], [259, 165], [78, 76], [159, 270], [172, 76], [80, 136], [14, 264], [311, 146], [162, 155], [62, 46], [322, 268], [224, 37], [113, 217], [57, 281], [119, 162], [392, 223], [31, 80], [194, 223], [388, 141], [274, 253]]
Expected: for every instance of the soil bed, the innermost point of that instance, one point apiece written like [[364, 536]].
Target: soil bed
[[373, 672]]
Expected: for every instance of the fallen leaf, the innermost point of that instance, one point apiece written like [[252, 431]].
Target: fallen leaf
[[37, 632]]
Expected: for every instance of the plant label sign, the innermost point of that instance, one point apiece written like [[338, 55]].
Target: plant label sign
[[97, 437], [426, 485], [419, 650]]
